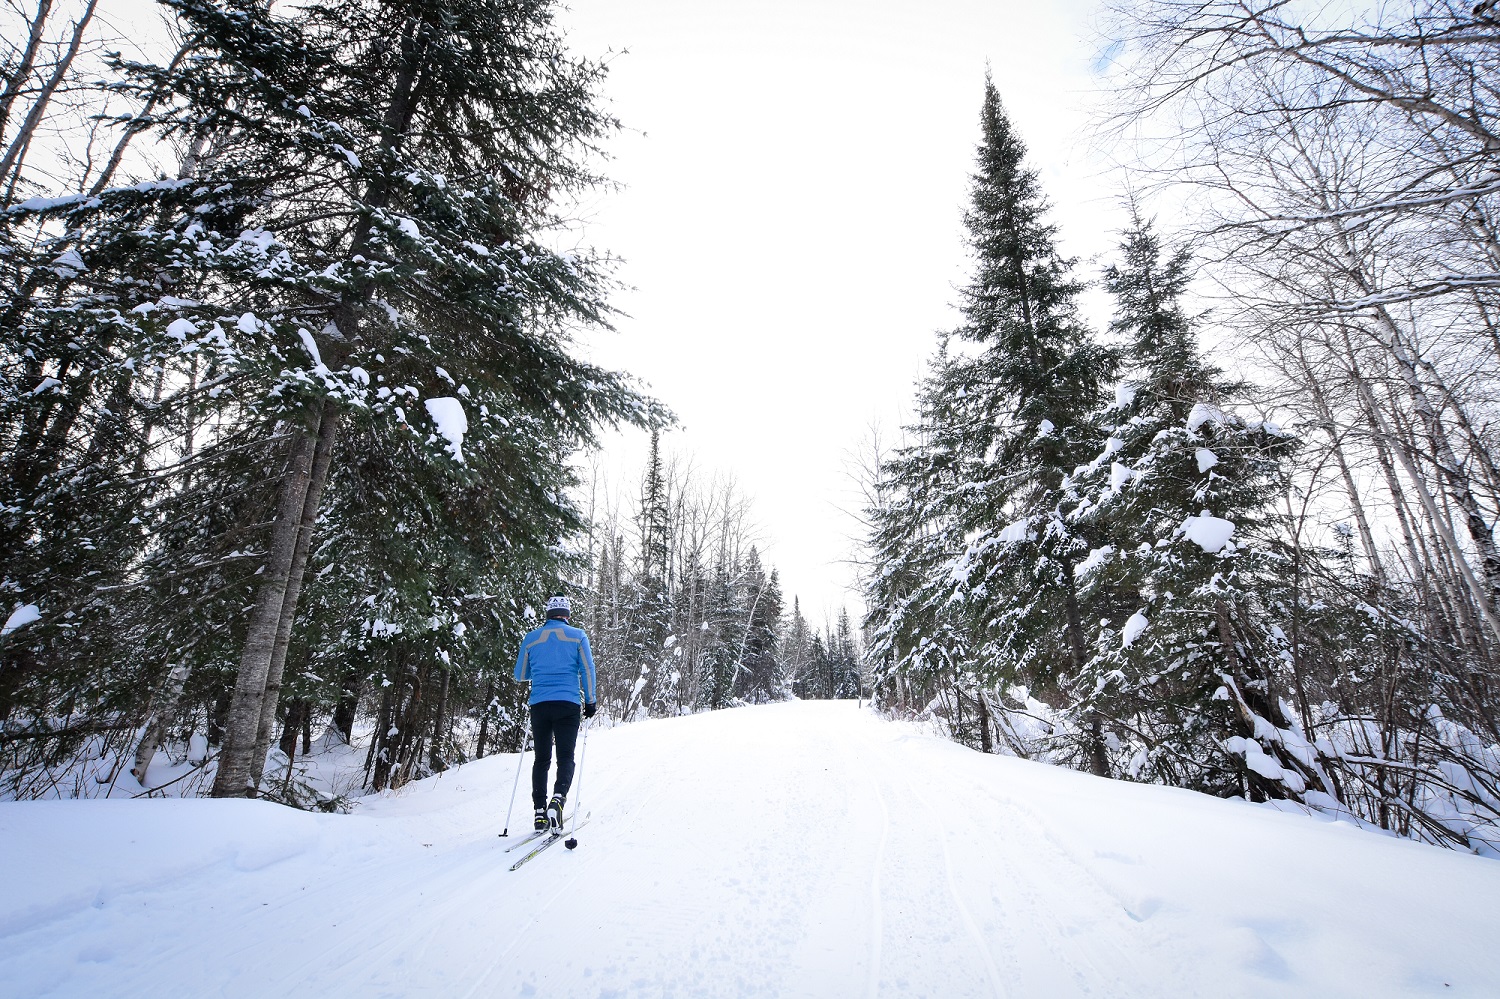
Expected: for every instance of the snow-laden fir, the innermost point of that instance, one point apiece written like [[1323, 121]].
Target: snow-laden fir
[[801, 849]]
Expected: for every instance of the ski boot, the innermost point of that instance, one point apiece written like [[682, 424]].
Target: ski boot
[[555, 813], [539, 820]]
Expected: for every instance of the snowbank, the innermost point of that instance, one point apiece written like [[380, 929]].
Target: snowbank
[[789, 850]]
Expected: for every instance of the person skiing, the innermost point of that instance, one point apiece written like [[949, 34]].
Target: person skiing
[[555, 659]]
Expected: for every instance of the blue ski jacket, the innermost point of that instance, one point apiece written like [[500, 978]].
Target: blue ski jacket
[[557, 661]]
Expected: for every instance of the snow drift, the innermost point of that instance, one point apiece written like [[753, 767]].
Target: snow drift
[[804, 849]]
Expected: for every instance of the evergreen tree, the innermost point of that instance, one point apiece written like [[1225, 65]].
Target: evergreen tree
[[1188, 566], [723, 630], [796, 649], [762, 672], [974, 555], [653, 590], [844, 657], [341, 317], [820, 670]]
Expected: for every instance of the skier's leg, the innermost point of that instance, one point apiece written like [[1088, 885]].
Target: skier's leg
[[541, 740], [565, 729]]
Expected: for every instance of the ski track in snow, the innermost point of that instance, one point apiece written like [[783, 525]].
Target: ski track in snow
[[805, 849], [980, 946], [877, 905]]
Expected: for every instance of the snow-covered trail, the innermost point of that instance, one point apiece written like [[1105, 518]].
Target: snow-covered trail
[[804, 849]]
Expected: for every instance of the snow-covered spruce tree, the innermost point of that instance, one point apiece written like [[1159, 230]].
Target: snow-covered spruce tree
[[1188, 566], [760, 676], [796, 644], [844, 657], [605, 619], [456, 124], [353, 241], [819, 686], [650, 611], [915, 644], [121, 403], [974, 556], [723, 627]]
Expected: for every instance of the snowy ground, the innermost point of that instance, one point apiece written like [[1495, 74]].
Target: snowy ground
[[802, 849]]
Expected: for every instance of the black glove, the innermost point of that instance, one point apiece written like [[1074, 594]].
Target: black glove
[[589, 709]]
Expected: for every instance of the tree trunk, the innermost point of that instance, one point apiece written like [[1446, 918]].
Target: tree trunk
[[1325, 413], [377, 761], [484, 719], [1098, 759], [1397, 447], [293, 727], [1003, 726], [437, 760], [1480, 533], [234, 778], [22, 71], [318, 476], [348, 702], [9, 161], [218, 717], [156, 728]]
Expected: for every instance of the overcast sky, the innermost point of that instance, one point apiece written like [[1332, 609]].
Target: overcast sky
[[795, 175]]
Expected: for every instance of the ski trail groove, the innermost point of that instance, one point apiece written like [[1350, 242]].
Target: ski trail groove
[[541, 910], [775, 852], [991, 970], [1085, 883], [877, 929]]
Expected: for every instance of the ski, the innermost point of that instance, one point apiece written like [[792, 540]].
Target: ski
[[551, 839], [534, 835], [529, 837]]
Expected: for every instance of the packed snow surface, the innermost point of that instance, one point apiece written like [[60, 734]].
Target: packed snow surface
[[803, 849]]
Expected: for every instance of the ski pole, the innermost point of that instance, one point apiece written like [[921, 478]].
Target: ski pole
[[572, 843], [525, 740]]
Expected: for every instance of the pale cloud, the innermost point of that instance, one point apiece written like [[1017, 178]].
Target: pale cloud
[[795, 181]]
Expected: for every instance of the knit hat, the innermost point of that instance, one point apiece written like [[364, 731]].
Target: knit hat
[[558, 606]]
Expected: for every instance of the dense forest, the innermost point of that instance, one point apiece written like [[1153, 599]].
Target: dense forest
[[298, 434], [1264, 569], [292, 411]]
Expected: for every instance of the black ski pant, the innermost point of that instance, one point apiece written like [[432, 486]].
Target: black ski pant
[[553, 721]]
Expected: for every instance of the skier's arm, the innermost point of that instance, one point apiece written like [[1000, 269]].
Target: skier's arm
[[589, 696], [523, 663]]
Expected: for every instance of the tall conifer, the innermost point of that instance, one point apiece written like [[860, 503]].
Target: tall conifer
[[975, 582], [1185, 570]]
